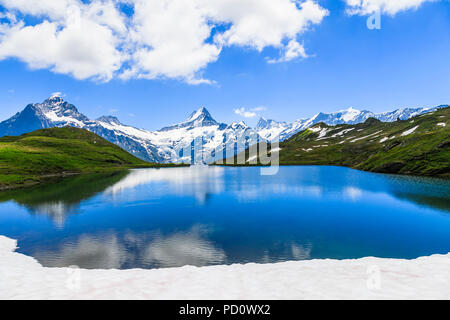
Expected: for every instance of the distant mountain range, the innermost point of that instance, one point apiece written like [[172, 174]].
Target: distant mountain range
[[174, 143], [272, 130], [416, 146]]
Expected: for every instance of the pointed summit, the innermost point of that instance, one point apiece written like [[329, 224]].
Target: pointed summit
[[55, 98], [199, 113], [56, 110], [55, 101], [202, 113], [199, 118], [268, 124], [350, 109], [262, 124], [241, 125], [53, 112]]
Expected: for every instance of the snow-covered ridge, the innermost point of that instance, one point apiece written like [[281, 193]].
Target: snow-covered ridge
[[273, 130], [200, 131], [22, 277]]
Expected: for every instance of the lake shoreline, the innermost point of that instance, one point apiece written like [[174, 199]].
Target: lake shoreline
[[47, 178], [440, 176], [366, 278]]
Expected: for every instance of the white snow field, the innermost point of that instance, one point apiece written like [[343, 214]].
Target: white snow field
[[22, 277]]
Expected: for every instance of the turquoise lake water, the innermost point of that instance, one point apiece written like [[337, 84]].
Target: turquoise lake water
[[158, 218]]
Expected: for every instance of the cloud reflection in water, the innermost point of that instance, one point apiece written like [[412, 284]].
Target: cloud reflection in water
[[146, 250]]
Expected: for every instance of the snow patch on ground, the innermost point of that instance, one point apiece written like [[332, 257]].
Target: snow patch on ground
[[341, 133], [317, 129], [274, 150], [370, 135], [323, 133], [442, 124], [408, 132], [22, 277]]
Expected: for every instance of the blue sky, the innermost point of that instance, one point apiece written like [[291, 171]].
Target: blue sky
[[404, 64]]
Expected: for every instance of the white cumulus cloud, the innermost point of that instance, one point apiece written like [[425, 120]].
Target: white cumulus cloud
[[390, 7], [293, 50], [252, 113], [174, 39], [73, 38], [246, 114]]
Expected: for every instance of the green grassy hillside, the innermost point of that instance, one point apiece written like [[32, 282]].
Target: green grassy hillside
[[419, 146], [32, 157]]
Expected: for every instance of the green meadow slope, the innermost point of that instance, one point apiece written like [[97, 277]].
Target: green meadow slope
[[39, 155], [418, 146]]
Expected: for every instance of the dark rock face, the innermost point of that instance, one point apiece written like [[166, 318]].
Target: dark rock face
[[392, 167], [370, 122], [443, 145], [30, 119]]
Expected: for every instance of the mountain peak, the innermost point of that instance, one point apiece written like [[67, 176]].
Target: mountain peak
[[56, 110], [264, 123], [351, 109], [238, 125], [199, 118], [201, 112], [109, 120], [56, 95], [55, 98]]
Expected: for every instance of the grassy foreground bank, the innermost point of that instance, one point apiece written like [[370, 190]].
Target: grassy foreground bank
[[57, 152]]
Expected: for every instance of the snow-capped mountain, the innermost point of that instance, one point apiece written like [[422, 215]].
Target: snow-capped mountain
[[199, 118], [272, 130], [199, 139], [50, 113]]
